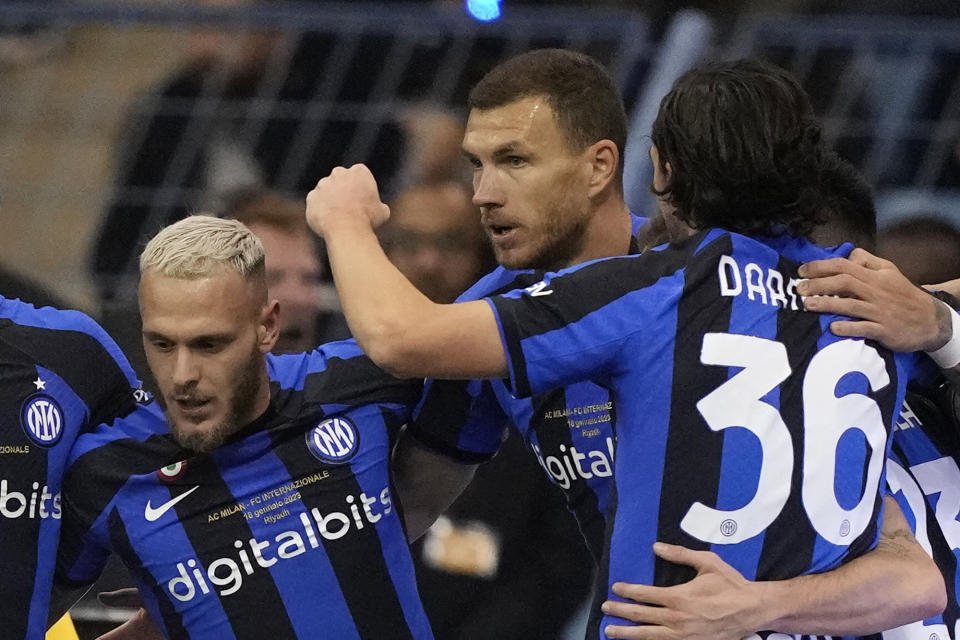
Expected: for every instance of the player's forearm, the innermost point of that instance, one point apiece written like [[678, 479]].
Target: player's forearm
[[947, 355], [383, 309], [398, 327], [895, 584]]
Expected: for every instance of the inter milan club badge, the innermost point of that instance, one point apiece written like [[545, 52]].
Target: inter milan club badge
[[171, 472], [42, 419], [333, 441]]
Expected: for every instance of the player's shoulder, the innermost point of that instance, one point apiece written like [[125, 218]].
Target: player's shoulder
[[63, 335], [501, 280], [290, 370], [25, 314], [795, 250], [336, 373], [638, 269], [146, 424]]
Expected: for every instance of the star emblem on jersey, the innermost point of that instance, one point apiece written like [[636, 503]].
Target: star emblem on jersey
[[334, 441], [152, 514], [40, 384], [42, 419]]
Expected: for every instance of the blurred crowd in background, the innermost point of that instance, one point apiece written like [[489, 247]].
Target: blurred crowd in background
[[113, 125]]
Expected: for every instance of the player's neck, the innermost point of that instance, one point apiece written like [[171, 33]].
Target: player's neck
[[262, 402], [607, 234]]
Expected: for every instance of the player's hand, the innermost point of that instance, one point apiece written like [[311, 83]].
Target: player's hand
[[716, 604], [139, 627], [893, 311], [345, 196], [128, 597]]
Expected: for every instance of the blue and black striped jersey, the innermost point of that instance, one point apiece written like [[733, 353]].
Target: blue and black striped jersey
[[924, 476], [288, 530], [569, 430], [60, 373], [718, 374]]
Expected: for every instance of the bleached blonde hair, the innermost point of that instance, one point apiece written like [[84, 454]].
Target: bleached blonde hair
[[202, 244]]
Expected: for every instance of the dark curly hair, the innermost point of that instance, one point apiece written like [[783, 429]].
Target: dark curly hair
[[744, 149], [847, 206]]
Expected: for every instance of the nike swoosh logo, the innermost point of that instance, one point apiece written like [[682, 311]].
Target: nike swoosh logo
[[152, 514]]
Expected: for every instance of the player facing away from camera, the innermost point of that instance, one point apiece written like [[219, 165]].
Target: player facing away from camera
[[728, 390], [265, 510], [719, 603]]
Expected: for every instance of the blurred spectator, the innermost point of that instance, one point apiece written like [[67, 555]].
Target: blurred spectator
[[435, 238], [309, 313], [506, 561], [925, 248], [432, 150], [241, 112], [24, 43]]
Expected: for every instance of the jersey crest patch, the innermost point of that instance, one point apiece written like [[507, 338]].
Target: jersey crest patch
[[334, 441], [42, 419], [171, 472]]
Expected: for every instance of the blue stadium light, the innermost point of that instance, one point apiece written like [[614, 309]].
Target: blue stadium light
[[484, 10]]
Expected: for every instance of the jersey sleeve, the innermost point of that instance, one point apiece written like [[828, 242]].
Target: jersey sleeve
[[461, 419], [339, 375], [101, 463], [80, 352], [575, 325], [121, 388], [84, 527]]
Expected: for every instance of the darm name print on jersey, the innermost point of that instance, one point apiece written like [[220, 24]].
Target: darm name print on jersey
[[765, 285], [228, 573]]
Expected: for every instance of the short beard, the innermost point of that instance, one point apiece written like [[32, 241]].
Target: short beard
[[241, 404], [562, 242]]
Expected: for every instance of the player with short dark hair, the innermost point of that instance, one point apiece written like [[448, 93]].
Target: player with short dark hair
[[266, 508], [694, 338], [521, 159]]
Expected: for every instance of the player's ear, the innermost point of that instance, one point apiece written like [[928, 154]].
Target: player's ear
[[604, 160], [268, 327]]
